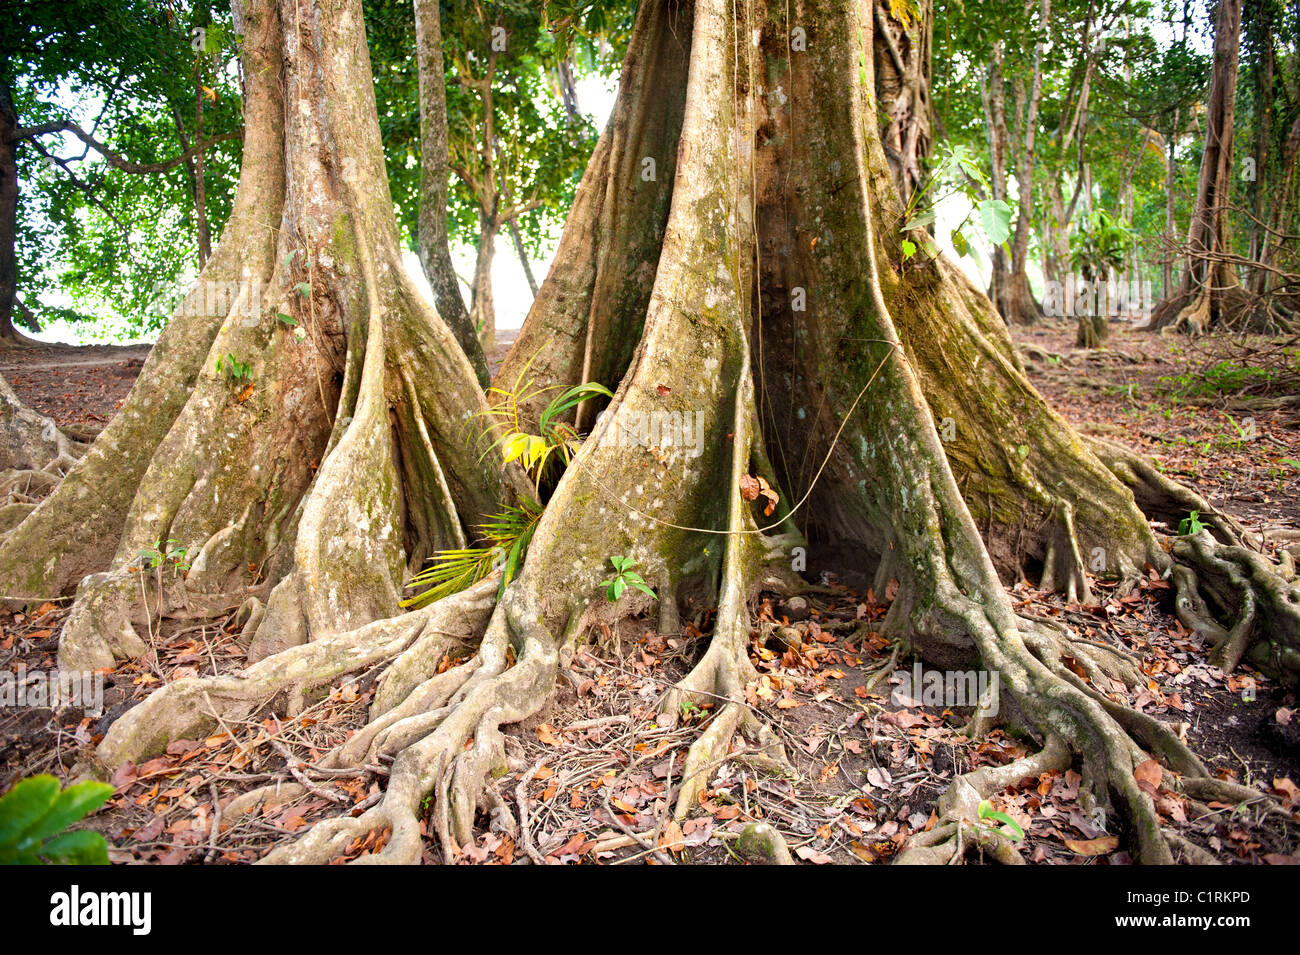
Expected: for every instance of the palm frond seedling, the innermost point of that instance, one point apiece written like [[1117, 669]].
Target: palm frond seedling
[[1000, 821], [555, 439], [506, 537]]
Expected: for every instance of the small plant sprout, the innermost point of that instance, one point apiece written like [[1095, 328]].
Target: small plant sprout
[[238, 372], [623, 576], [505, 542], [556, 438], [1000, 821], [1191, 524], [956, 165], [163, 552]]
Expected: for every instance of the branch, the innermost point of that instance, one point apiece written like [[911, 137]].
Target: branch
[[116, 160]]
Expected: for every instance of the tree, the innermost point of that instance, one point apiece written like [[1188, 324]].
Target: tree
[[514, 151], [435, 254], [1210, 294], [130, 196], [757, 284], [1009, 288], [1099, 248]]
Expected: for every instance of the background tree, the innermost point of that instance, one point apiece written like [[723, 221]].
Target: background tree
[[1210, 290], [114, 214]]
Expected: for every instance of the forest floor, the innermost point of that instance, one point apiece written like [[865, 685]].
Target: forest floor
[[869, 766]]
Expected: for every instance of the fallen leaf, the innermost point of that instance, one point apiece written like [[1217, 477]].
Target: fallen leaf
[[1093, 847]]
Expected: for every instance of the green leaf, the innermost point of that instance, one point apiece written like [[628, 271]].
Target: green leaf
[[987, 812], [24, 805], [922, 218], [287, 319], [303, 289], [959, 243], [909, 249], [82, 847], [635, 580], [995, 218], [516, 446], [620, 585], [72, 805]]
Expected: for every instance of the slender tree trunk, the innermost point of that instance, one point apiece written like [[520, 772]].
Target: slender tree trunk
[[481, 308], [200, 185], [9, 336], [1210, 294], [1280, 216], [1171, 221], [568, 88], [518, 241], [435, 254], [197, 191], [1010, 286], [1265, 175]]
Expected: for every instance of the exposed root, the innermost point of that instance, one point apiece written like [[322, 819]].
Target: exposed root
[[1247, 606], [959, 828], [439, 763], [188, 707], [1218, 582], [1063, 569], [1159, 498]]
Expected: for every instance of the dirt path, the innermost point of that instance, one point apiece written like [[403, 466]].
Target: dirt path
[[78, 386]]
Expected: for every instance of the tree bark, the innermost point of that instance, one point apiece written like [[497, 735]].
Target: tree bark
[[435, 254], [903, 54], [1009, 286], [482, 311], [264, 431], [193, 172]]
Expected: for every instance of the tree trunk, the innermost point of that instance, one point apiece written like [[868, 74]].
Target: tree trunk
[[264, 432], [1210, 294], [1171, 221], [1010, 288], [194, 174], [902, 50], [435, 255], [520, 251], [9, 336], [482, 312], [884, 396], [1094, 320], [1280, 215]]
